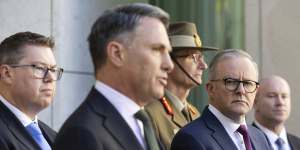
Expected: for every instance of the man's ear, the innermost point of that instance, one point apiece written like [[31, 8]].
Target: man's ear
[[209, 88], [116, 53], [5, 74]]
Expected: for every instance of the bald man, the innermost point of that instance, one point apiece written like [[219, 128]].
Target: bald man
[[272, 108]]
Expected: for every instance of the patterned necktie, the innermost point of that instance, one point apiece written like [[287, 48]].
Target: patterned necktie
[[279, 142], [37, 135], [243, 130], [186, 114], [148, 130]]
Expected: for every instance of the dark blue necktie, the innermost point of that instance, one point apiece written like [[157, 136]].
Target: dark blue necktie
[[37, 135], [279, 142]]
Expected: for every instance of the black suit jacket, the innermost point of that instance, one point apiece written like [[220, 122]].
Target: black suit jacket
[[96, 125], [207, 133], [14, 136], [294, 141]]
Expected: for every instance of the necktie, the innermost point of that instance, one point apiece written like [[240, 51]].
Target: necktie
[[186, 114], [148, 130], [243, 130], [279, 142], [37, 135]]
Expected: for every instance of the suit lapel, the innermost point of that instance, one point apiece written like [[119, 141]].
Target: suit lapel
[[218, 131], [177, 117], [293, 141], [16, 128], [48, 133], [290, 142], [254, 139], [269, 143], [113, 121]]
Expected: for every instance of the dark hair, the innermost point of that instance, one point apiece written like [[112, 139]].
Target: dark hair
[[228, 54], [118, 21], [11, 47]]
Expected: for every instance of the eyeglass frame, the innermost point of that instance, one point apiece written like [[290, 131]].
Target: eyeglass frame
[[36, 67], [237, 85]]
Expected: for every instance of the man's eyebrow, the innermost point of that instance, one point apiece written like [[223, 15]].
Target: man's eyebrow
[[44, 64]]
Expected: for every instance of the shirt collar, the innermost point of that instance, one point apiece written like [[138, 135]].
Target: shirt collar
[[23, 118], [175, 100], [272, 136], [229, 125], [124, 105]]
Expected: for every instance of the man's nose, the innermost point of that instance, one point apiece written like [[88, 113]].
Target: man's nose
[[49, 76], [202, 64], [241, 88], [167, 63]]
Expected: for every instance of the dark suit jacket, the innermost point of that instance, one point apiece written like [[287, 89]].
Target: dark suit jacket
[[96, 125], [207, 133], [167, 124], [14, 136], [294, 141]]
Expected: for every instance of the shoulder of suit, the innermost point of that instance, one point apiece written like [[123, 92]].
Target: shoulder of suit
[[293, 136]]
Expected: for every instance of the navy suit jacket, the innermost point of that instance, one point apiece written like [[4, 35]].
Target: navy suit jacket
[[294, 141], [207, 133], [14, 136], [96, 125]]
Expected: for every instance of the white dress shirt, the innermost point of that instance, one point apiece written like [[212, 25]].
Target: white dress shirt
[[272, 137], [230, 127], [24, 119], [126, 107]]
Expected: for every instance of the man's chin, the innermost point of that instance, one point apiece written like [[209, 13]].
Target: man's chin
[[158, 96], [45, 103]]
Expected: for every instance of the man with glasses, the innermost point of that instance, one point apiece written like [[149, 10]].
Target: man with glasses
[[28, 74], [272, 107], [172, 112], [231, 89]]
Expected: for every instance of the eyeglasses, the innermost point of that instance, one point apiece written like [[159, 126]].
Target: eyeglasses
[[197, 57], [40, 71], [233, 84]]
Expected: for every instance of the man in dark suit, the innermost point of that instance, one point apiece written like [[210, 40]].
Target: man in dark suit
[[130, 50], [173, 111], [272, 108], [231, 89], [28, 72]]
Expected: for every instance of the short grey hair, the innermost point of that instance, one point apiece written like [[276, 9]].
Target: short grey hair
[[228, 54]]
